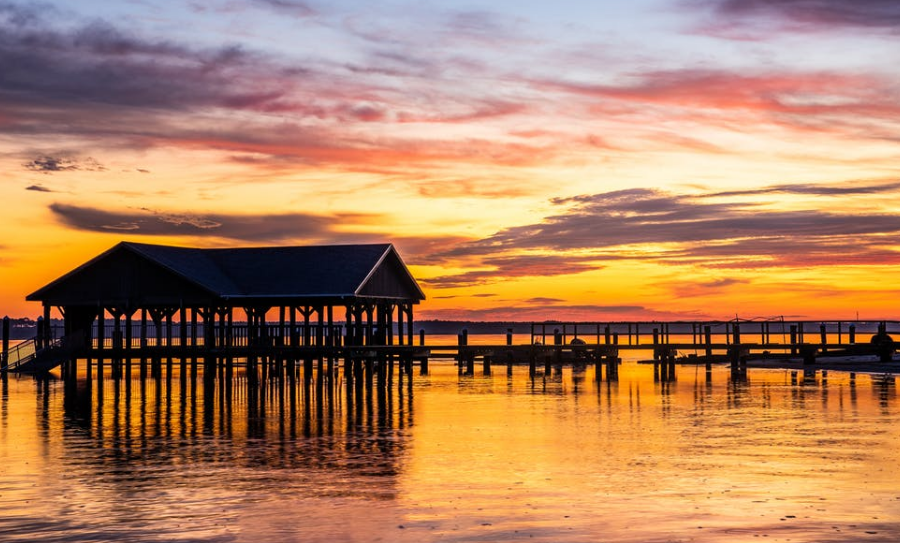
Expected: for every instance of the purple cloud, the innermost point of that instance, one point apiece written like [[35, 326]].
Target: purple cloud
[[590, 231], [857, 13]]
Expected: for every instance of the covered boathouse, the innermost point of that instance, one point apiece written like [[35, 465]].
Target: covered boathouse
[[139, 299]]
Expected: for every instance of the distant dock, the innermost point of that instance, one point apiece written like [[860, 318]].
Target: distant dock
[[369, 349]]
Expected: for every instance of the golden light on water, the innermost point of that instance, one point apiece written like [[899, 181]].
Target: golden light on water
[[561, 457]]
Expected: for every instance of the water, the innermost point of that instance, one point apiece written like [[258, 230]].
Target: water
[[451, 458]]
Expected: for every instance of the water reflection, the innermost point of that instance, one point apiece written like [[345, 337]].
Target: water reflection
[[141, 428], [218, 454]]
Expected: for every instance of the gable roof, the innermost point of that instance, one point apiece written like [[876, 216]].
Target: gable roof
[[274, 272]]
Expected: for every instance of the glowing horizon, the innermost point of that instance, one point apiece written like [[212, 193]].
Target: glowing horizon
[[661, 160]]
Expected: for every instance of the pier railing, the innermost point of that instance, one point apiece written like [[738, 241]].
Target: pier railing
[[774, 333]]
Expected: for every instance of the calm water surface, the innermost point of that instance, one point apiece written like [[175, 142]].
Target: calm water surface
[[450, 458]]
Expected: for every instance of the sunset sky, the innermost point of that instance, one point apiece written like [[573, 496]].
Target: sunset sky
[[530, 160]]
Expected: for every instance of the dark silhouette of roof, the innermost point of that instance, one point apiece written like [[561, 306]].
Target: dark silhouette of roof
[[326, 271]]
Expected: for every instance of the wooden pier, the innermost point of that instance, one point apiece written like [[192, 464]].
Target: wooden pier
[[317, 309], [362, 352]]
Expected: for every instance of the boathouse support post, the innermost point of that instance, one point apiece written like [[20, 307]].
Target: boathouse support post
[[182, 328], [823, 336], [194, 327], [48, 329], [5, 361], [409, 319], [793, 339], [294, 339], [143, 343], [852, 334], [370, 310], [129, 333], [320, 331], [401, 334], [101, 328], [169, 313]]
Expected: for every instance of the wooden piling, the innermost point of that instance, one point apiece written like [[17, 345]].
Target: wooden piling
[[5, 361], [793, 340], [707, 333]]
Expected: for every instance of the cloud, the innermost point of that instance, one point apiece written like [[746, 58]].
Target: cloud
[[49, 164], [276, 228], [251, 228], [529, 311], [868, 14], [499, 268], [679, 229], [290, 7], [38, 188], [107, 83], [851, 188]]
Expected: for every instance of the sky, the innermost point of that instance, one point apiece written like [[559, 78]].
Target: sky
[[531, 160]]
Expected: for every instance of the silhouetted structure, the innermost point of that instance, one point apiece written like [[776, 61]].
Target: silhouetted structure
[[368, 285]]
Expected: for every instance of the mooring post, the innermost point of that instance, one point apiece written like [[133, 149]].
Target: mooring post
[[606, 335], [809, 355], [707, 332], [852, 334], [509, 336], [421, 337], [460, 354], [823, 336], [736, 333], [486, 364], [793, 339], [5, 362]]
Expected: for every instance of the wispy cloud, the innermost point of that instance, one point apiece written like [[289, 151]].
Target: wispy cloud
[[539, 311], [724, 230], [38, 188], [272, 228], [60, 80], [813, 13], [498, 268], [145, 222]]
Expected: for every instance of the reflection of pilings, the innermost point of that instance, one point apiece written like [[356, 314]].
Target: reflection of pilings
[[738, 358], [663, 364]]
